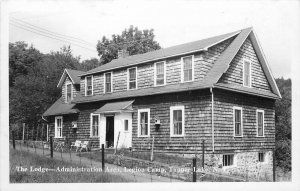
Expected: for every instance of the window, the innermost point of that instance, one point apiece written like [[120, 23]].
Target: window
[[159, 72], [58, 127], [260, 123], [68, 92], [108, 82], [228, 160], [261, 157], [88, 85], [132, 78], [247, 73], [95, 125], [126, 123], [237, 121], [177, 121], [144, 122], [187, 68]]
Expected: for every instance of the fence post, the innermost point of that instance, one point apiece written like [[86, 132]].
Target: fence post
[[23, 134], [103, 158], [151, 158], [194, 169], [51, 146], [13, 139], [274, 167], [203, 154]]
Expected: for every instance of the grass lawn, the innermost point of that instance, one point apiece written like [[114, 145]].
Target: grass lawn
[[28, 160]]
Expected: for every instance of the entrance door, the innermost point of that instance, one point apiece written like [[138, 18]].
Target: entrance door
[[110, 131]]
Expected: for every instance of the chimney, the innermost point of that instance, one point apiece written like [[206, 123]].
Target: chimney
[[123, 53]]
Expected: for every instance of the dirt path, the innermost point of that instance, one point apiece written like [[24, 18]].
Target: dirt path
[[135, 175]]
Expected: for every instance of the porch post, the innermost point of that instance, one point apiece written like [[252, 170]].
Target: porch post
[[47, 133]]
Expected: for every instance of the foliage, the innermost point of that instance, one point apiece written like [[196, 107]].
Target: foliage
[[283, 124], [133, 40]]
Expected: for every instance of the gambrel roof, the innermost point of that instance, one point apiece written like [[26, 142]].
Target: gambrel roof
[[72, 74], [211, 79]]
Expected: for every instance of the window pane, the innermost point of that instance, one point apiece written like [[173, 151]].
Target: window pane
[[89, 81], [125, 125], [132, 85]]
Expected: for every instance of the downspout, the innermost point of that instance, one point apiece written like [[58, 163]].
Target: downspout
[[212, 120]]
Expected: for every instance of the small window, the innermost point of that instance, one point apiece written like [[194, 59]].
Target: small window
[[247, 73], [126, 123], [132, 78], [228, 160], [237, 121], [144, 122], [58, 127], [177, 121], [261, 157], [188, 68], [260, 123], [88, 85], [160, 73], [69, 93], [94, 125], [108, 82]]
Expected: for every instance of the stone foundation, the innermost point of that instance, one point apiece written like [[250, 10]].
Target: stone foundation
[[245, 165]]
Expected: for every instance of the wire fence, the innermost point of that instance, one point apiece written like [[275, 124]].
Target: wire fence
[[139, 169]]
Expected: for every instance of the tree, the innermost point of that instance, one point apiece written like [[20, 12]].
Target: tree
[[283, 124], [90, 64], [132, 39]]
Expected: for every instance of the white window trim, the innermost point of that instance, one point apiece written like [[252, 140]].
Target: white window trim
[[91, 124], [66, 91], [172, 108], [136, 81], [85, 86], [241, 109], [139, 120], [250, 72], [111, 82], [55, 127], [193, 69], [263, 113], [155, 77]]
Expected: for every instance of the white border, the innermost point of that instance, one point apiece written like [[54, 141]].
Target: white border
[[55, 127], [241, 109], [136, 84], [193, 68], [172, 108], [139, 120], [91, 121], [85, 85], [263, 112], [155, 77]]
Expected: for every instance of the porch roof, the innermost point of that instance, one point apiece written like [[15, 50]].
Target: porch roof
[[116, 107], [60, 108]]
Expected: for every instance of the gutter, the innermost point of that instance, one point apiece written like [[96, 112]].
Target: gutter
[[44, 119], [212, 119]]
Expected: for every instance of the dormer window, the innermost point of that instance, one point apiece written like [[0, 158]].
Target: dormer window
[[247, 73], [187, 68], [132, 76], [88, 85], [108, 82], [69, 95]]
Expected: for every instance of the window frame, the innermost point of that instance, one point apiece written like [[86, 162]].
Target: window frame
[[263, 156], [85, 87], [127, 125], [263, 122], [55, 127], [128, 78], [111, 82], [250, 72], [182, 68], [66, 92], [172, 108], [233, 160], [234, 133], [155, 73], [91, 125], [139, 120]]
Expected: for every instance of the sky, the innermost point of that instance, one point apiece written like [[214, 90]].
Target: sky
[[276, 23]]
